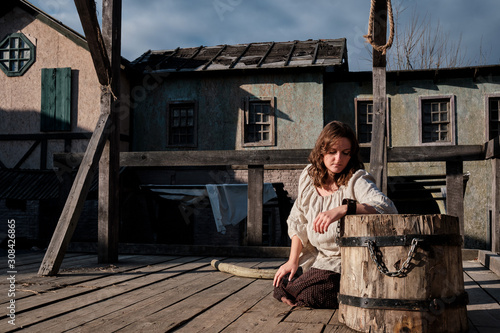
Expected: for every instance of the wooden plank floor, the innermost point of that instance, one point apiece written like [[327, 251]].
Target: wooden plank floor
[[182, 294]]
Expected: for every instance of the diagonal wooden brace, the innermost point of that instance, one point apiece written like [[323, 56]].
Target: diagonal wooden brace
[[87, 12], [76, 198]]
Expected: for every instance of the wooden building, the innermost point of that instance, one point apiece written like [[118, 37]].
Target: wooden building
[[274, 96], [49, 103], [264, 100], [246, 97]]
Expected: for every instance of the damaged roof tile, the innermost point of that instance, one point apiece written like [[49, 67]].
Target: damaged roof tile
[[322, 52]]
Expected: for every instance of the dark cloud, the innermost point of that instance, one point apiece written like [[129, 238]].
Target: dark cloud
[[167, 24]]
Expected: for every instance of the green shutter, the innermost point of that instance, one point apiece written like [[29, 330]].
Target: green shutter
[[63, 101], [48, 99], [56, 99]]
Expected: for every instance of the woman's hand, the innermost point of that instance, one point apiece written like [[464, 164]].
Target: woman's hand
[[288, 267], [324, 219]]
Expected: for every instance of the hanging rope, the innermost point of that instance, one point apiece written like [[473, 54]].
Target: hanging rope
[[369, 36], [107, 88]]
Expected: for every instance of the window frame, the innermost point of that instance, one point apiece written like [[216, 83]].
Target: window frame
[[487, 98], [29, 61], [356, 118], [451, 124], [170, 106], [358, 100], [244, 111]]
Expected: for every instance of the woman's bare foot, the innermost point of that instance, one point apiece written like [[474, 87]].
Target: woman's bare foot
[[287, 301]]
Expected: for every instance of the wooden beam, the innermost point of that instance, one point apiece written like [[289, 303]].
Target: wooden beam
[[215, 157], [28, 154], [492, 148], [281, 156], [255, 206], [379, 32], [436, 153], [495, 207], [43, 154], [87, 12], [109, 165], [378, 164], [455, 191], [74, 204], [261, 61]]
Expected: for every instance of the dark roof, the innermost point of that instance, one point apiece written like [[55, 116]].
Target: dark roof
[[28, 184], [310, 53]]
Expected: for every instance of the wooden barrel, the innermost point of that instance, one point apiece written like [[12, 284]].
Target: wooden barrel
[[389, 285]]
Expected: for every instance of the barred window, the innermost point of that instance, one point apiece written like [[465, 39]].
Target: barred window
[[364, 120], [493, 117], [17, 54], [181, 124], [437, 120], [258, 122]]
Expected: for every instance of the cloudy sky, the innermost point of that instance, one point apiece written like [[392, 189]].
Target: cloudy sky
[[168, 24]]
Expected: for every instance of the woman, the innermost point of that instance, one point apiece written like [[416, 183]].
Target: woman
[[331, 187]]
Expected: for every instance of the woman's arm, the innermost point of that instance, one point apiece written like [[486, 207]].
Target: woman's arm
[[324, 219], [292, 265]]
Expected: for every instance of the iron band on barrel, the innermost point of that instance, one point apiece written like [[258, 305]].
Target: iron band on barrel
[[402, 304], [402, 240]]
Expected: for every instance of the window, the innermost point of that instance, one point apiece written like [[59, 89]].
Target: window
[[437, 120], [364, 120], [492, 116], [181, 124], [17, 54], [56, 99], [258, 122]]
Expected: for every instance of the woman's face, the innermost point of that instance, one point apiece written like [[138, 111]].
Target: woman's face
[[338, 156]]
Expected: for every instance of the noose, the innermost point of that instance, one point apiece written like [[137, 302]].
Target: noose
[[369, 35]]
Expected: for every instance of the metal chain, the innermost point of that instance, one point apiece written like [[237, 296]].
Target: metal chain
[[340, 230], [380, 264]]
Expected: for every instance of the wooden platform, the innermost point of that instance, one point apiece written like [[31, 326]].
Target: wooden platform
[[182, 294]]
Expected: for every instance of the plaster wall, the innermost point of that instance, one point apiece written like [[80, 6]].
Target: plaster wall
[[298, 114], [470, 122], [20, 97]]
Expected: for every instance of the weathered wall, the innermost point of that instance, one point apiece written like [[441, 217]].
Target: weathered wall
[[299, 109], [53, 50], [404, 131], [20, 97]]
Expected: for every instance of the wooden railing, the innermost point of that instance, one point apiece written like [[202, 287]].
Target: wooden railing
[[453, 156]]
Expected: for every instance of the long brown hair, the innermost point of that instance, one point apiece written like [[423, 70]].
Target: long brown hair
[[327, 138]]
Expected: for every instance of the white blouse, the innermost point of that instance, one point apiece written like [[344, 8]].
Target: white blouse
[[320, 250]]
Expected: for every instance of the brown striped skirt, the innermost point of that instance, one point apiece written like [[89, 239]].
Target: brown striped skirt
[[315, 288]]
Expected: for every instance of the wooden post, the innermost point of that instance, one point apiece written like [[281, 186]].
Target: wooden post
[[74, 204], [255, 204], [495, 207], [90, 24], [378, 166], [109, 165], [455, 191]]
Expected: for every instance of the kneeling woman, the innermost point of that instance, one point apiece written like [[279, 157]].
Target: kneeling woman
[[332, 186]]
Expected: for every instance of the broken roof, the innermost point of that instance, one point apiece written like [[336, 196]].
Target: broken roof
[[310, 53]]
